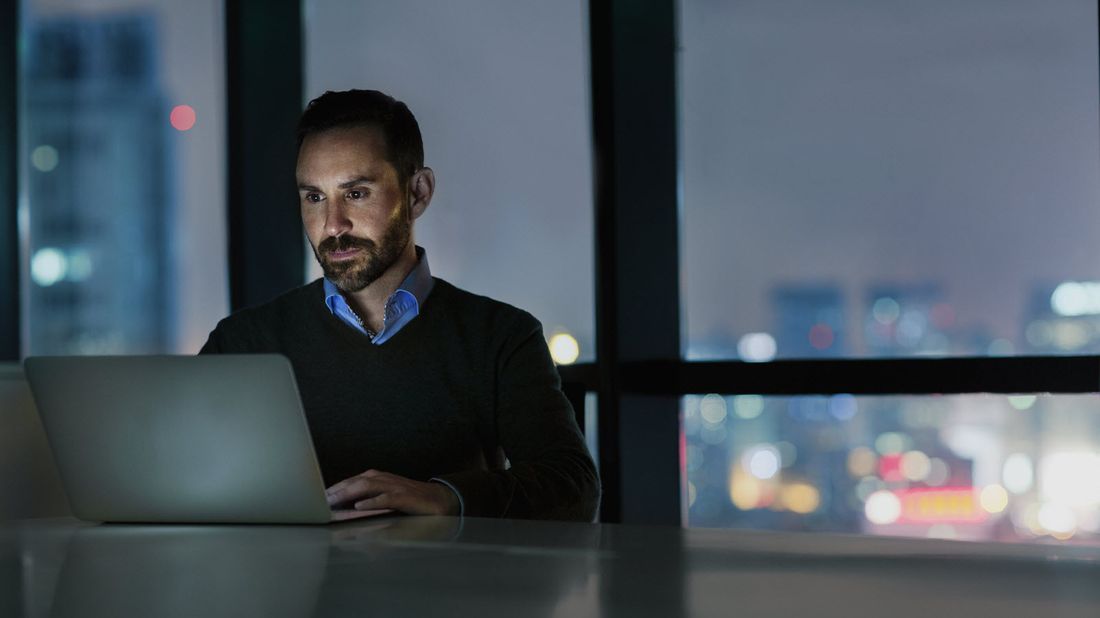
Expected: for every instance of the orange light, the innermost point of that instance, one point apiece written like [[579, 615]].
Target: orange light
[[940, 505]]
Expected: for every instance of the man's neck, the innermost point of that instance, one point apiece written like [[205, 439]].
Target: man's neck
[[370, 302]]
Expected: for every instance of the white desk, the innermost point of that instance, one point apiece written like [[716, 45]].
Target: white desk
[[444, 566]]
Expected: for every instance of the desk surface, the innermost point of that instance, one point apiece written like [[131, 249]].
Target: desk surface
[[444, 566]]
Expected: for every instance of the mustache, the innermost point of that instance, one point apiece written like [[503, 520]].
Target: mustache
[[343, 243]]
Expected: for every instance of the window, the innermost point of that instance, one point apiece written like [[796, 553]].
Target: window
[[122, 166], [501, 94], [888, 178]]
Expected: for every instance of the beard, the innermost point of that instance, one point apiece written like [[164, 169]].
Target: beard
[[371, 263]]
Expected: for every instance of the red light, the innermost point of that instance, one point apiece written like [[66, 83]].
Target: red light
[[182, 117], [821, 336], [889, 468]]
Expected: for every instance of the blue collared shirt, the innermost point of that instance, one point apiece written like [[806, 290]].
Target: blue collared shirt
[[401, 307]]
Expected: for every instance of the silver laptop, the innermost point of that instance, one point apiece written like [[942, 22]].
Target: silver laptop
[[181, 439]]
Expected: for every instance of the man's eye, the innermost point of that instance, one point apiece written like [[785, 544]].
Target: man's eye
[[356, 195], [313, 198]]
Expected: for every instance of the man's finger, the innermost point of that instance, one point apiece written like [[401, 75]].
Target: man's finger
[[355, 488], [381, 501]]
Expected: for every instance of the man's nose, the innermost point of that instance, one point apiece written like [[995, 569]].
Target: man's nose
[[337, 222]]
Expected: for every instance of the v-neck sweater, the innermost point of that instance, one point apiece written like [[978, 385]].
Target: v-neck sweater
[[458, 394]]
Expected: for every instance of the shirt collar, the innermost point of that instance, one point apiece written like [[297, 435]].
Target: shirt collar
[[418, 282]]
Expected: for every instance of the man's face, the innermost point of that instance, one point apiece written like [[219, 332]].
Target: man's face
[[354, 209]]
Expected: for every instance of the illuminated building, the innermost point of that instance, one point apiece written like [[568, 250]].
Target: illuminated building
[[99, 247]]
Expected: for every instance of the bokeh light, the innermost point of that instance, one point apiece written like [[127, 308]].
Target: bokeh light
[[915, 466], [748, 406], [938, 473], [45, 158], [564, 349], [861, 462], [891, 443], [762, 461], [48, 266], [801, 498], [1071, 479], [994, 498], [885, 310], [1018, 473], [883, 508], [80, 265], [745, 492], [843, 407], [1073, 298], [713, 409], [867, 486], [788, 453], [1057, 519], [182, 117], [757, 347]]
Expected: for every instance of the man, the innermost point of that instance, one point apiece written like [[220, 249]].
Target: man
[[418, 394]]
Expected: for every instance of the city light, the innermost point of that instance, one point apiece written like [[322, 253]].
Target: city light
[[182, 117], [885, 310], [48, 266], [748, 406], [762, 461], [1070, 335], [994, 499], [1018, 473], [882, 508], [948, 504], [801, 498], [564, 349], [1075, 298], [756, 347], [843, 407], [891, 443], [788, 453], [80, 265], [867, 486], [1057, 519], [44, 158], [1039, 333], [915, 466], [889, 468], [938, 473], [861, 462], [1070, 479], [713, 409], [746, 492]]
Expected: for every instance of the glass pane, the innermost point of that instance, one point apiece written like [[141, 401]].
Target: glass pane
[[976, 467], [890, 178], [500, 91], [123, 207]]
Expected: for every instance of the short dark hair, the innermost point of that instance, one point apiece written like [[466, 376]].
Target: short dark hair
[[401, 133]]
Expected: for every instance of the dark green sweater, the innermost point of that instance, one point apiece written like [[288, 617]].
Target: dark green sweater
[[461, 387]]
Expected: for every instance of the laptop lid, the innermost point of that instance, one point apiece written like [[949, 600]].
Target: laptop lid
[[186, 439]]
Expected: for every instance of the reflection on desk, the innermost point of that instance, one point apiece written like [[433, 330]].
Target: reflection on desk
[[423, 566]]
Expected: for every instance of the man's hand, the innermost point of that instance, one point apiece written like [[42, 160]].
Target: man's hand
[[381, 490]]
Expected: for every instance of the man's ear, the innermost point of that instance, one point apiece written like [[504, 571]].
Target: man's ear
[[421, 190]]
